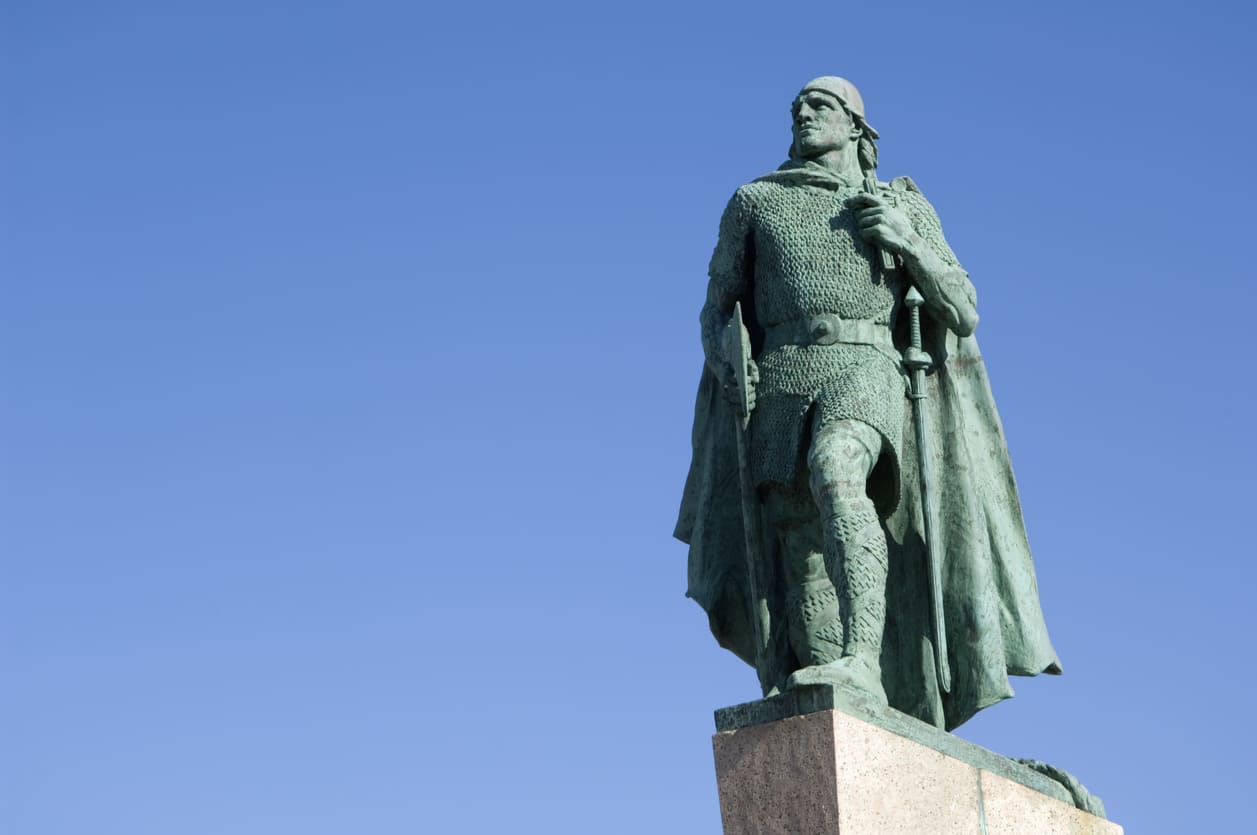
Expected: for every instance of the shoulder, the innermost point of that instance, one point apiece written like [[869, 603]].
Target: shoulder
[[904, 191], [749, 198], [902, 185], [756, 190], [738, 209], [907, 195]]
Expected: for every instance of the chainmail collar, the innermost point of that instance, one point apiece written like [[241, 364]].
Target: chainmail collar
[[808, 173]]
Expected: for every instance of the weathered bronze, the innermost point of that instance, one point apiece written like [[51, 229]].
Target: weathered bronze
[[831, 542]]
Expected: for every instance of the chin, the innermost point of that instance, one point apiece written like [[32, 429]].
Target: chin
[[811, 149]]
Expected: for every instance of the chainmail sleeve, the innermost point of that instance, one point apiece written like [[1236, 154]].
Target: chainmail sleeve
[[729, 275]]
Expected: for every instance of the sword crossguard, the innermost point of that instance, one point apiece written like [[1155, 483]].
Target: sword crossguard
[[914, 358]]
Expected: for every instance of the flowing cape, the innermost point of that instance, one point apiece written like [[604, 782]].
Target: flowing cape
[[994, 622]]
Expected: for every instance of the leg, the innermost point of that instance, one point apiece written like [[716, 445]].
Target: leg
[[840, 459], [811, 602]]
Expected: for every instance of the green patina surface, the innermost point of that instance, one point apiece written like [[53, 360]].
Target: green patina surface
[[815, 548]]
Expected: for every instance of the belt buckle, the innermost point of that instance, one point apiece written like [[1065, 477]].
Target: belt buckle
[[823, 329]]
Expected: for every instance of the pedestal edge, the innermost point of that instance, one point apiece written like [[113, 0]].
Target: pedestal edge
[[828, 697]]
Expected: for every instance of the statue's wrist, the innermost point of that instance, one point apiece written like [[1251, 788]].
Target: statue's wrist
[[913, 249]]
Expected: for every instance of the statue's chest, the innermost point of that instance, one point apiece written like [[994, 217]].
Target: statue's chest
[[808, 229], [811, 258]]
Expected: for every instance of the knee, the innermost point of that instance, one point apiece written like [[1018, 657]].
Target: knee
[[839, 462]]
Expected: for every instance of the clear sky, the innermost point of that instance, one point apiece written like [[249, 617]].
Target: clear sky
[[347, 360]]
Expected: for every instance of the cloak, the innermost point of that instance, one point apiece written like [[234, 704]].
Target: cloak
[[991, 608]]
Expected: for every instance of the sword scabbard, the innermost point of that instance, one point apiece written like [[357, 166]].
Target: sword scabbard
[[917, 361]]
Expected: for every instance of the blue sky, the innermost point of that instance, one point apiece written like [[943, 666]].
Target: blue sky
[[347, 357]]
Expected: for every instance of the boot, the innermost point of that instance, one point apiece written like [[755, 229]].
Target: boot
[[856, 559], [816, 630]]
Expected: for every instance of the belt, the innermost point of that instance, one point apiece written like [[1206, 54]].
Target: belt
[[831, 329]]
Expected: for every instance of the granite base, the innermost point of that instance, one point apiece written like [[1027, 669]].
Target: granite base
[[848, 767]]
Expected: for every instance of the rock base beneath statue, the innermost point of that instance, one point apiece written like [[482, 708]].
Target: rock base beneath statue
[[833, 773]]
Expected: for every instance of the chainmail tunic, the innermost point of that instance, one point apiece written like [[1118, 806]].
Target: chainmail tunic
[[794, 248]]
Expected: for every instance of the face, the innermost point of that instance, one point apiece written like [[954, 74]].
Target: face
[[821, 124]]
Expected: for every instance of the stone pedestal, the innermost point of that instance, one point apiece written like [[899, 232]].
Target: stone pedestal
[[829, 772]]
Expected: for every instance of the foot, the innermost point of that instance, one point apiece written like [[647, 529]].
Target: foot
[[849, 671]]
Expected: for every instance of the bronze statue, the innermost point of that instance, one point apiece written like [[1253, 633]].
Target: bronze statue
[[818, 549]]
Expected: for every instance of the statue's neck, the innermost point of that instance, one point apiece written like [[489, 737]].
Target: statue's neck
[[842, 161]]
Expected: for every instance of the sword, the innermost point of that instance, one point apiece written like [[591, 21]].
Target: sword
[[917, 360], [737, 348]]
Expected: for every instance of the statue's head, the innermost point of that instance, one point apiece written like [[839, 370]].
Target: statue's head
[[828, 115]]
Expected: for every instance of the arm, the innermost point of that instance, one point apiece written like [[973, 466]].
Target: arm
[[949, 294], [912, 231], [729, 280]]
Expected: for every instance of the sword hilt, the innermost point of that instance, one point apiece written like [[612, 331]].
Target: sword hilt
[[915, 357]]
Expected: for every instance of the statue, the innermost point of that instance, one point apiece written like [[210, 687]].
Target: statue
[[850, 508]]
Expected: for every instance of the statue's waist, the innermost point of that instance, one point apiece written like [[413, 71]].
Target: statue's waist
[[831, 329]]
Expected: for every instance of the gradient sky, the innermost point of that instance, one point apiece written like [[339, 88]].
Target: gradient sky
[[347, 360]]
